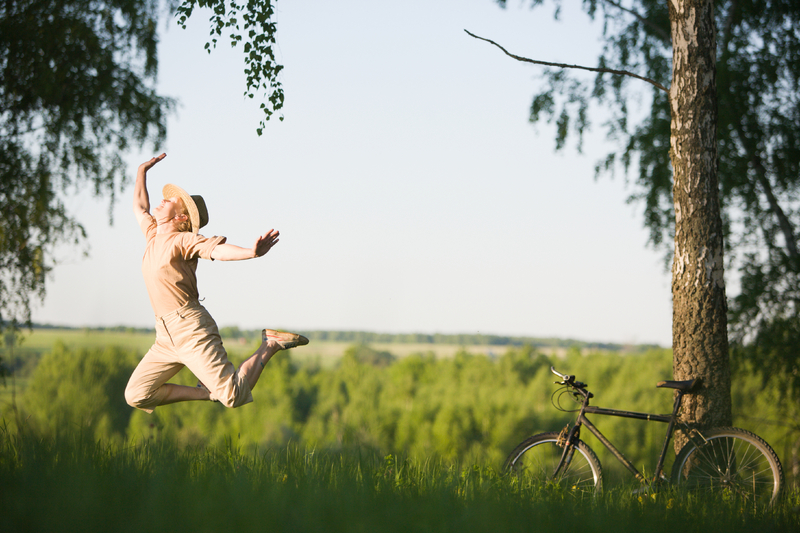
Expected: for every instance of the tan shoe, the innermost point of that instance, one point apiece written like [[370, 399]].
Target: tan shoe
[[285, 339]]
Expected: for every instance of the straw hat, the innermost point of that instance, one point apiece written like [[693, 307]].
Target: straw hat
[[195, 205]]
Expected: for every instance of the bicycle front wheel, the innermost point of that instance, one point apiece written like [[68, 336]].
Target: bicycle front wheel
[[731, 462], [535, 460]]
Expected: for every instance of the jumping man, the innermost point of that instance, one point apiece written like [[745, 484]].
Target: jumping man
[[186, 335]]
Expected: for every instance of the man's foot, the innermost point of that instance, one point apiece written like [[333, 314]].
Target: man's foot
[[284, 339]]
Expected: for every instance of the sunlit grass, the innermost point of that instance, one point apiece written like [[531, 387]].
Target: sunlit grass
[[58, 484]]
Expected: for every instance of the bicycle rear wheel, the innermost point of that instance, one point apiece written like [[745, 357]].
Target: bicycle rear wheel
[[731, 462], [535, 461]]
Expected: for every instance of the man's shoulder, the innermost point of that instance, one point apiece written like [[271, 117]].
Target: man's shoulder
[[147, 223]]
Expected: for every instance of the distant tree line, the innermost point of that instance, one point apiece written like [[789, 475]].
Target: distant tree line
[[369, 337], [461, 339]]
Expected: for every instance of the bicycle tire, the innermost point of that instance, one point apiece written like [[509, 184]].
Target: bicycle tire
[[534, 462], [731, 461]]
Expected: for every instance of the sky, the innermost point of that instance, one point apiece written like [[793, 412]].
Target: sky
[[410, 190]]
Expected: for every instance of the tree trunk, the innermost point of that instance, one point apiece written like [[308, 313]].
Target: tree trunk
[[699, 321]]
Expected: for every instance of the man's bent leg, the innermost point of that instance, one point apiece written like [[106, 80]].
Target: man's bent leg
[[199, 347], [146, 386], [181, 393], [251, 369]]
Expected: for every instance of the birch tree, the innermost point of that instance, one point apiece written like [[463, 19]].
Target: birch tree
[[699, 306], [700, 342]]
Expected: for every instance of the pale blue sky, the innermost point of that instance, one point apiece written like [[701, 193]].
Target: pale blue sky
[[411, 193]]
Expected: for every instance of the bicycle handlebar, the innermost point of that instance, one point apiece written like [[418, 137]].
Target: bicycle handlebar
[[566, 379], [559, 374]]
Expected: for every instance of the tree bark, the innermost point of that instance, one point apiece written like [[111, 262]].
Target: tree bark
[[699, 321]]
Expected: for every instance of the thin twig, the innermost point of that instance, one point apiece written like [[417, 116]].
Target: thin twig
[[562, 65]]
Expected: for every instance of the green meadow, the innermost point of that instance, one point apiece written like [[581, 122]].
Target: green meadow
[[73, 483], [393, 434]]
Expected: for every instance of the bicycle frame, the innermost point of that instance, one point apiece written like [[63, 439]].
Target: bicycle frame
[[671, 420]]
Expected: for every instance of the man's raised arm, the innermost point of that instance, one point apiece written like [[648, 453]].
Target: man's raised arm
[[141, 200]]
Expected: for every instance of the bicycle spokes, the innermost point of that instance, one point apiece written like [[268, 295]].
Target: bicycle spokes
[[735, 465]]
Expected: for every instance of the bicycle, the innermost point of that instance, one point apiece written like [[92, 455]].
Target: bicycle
[[729, 460]]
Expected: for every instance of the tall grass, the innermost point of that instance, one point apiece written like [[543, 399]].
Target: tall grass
[[72, 482]]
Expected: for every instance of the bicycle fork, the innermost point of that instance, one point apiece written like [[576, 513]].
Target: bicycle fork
[[567, 439]]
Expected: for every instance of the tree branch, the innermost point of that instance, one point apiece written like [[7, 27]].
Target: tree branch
[[657, 29], [562, 65], [761, 177], [727, 31]]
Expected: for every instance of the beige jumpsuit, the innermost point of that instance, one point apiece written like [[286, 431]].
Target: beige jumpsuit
[[186, 335]]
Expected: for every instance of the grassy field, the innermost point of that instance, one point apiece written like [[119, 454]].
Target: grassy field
[[72, 483], [149, 481], [324, 353], [40, 340]]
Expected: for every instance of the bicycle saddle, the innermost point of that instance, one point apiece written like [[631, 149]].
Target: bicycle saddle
[[683, 386]]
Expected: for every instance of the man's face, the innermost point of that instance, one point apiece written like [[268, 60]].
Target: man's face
[[170, 208]]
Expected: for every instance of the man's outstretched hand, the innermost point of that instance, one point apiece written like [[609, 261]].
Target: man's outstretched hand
[[265, 242], [231, 252], [147, 165], [141, 200]]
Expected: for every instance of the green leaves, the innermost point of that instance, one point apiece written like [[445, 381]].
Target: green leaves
[[252, 24], [565, 101], [758, 83], [76, 90], [79, 390]]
